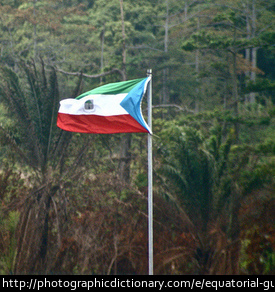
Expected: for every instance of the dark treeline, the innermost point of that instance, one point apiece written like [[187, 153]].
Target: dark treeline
[[76, 203]]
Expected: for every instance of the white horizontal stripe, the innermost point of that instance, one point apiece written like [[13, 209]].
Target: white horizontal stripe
[[104, 105]]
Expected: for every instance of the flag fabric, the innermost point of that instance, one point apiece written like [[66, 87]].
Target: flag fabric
[[108, 109]]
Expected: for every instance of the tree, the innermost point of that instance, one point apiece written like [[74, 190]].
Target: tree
[[39, 145], [213, 193], [176, 14], [212, 178], [227, 32]]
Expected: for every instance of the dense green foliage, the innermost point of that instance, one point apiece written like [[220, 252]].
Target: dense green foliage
[[77, 204]]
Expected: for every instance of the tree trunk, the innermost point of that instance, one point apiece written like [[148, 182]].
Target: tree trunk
[[254, 52], [123, 40], [125, 156], [235, 94], [165, 93], [247, 50], [102, 36], [33, 232], [34, 32], [197, 72], [251, 53]]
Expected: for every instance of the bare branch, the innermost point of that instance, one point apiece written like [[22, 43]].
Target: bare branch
[[115, 70], [174, 105]]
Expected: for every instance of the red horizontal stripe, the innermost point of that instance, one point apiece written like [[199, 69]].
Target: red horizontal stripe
[[99, 124]]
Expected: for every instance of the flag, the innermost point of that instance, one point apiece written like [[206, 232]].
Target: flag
[[108, 109]]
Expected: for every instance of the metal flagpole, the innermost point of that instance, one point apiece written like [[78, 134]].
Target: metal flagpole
[[150, 179]]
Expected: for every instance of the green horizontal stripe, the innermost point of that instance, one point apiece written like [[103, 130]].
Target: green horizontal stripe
[[113, 88]]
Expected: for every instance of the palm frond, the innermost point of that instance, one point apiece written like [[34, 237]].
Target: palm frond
[[7, 139], [50, 111], [13, 96]]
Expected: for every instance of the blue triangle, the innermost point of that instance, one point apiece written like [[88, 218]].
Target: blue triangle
[[132, 103]]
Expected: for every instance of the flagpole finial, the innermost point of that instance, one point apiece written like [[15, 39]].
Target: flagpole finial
[[149, 72]]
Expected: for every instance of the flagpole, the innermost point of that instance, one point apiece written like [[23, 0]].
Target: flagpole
[[150, 178]]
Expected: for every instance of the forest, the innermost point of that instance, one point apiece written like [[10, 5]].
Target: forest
[[76, 204]]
